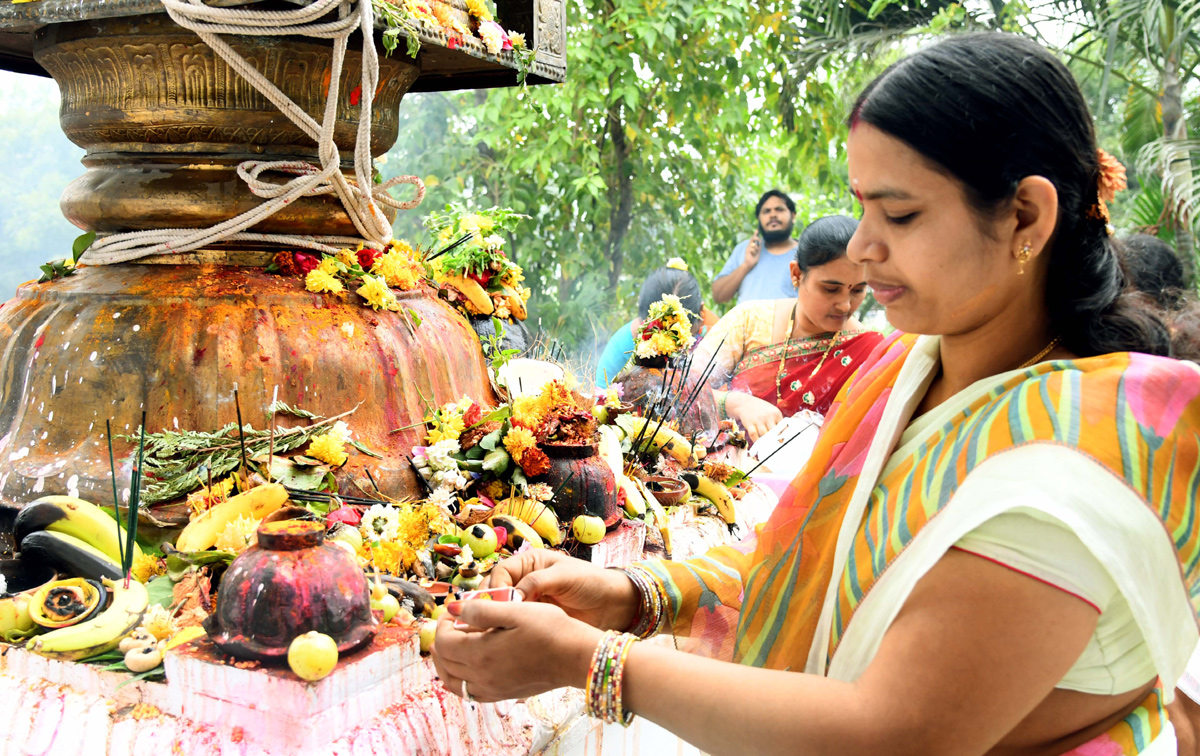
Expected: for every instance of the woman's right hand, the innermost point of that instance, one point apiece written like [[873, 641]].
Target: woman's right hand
[[606, 599], [758, 417]]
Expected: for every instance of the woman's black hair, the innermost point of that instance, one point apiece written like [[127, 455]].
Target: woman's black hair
[[990, 109], [791, 204], [670, 281], [824, 241], [1153, 268]]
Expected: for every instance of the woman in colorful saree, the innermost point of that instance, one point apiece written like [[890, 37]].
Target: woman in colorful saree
[[994, 547], [776, 357]]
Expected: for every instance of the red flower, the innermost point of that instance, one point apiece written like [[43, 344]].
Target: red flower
[[344, 515], [481, 278], [473, 415], [452, 41], [356, 95], [367, 257], [305, 262]]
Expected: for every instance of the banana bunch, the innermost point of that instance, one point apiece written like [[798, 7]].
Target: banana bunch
[[714, 491], [73, 535], [202, 532], [659, 438], [539, 517], [101, 633], [476, 297]]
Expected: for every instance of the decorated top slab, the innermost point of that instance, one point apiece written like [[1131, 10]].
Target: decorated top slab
[[459, 44]]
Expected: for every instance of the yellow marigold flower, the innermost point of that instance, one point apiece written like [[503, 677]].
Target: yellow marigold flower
[[494, 490], [318, 281], [377, 294], [147, 566], [330, 264], [518, 441], [239, 535], [328, 448], [662, 343], [479, 9], [393, 557], [399, 270], [528, 411], [450, 428], [612, 398], [157, 621]]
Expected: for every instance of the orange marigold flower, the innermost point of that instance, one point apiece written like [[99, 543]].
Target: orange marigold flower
[[1112, 177], [534, 462]]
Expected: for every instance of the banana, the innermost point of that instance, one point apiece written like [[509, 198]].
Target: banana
[[519, 531], [714, 491], [70, 555], [516, 305], [101, 634], [610, 450], [73, 517], [476, 296], [664, 440], [537, 515], [202, 532], [635, 502]]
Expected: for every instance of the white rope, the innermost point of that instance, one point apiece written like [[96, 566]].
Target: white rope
[[362, 201]]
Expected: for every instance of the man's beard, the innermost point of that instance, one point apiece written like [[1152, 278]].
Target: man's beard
[[774, 237]]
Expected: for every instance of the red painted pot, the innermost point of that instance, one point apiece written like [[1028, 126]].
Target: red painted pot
[[291, 582], [585, 484]]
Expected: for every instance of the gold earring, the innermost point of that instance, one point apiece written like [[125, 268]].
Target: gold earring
[[1023, 257]]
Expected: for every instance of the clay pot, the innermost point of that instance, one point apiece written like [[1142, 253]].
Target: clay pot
[[585, 484], [288, 584], [668, 491], [643, 386]]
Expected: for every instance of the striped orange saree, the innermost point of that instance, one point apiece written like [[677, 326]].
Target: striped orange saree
[[817, 585]]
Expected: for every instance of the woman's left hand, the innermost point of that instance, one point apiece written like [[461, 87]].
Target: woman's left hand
[[512, 650]]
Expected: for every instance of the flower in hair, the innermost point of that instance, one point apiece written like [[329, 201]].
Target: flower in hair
[[1112, 177], [677, 263]]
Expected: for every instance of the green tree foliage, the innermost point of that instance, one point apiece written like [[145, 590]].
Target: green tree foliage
[[667, 130]]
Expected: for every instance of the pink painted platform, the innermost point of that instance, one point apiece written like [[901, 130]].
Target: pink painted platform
[[382, 701]]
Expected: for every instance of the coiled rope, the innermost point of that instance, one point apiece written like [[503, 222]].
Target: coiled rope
[[362, 202]]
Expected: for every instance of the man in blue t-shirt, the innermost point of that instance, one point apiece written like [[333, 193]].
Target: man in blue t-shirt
[[760, 268]]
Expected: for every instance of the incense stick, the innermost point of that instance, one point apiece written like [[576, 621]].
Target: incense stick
[[772, 454], [112, 466], [241, 433]]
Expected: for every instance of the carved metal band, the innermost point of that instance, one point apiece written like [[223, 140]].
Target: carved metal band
[[168, 89]]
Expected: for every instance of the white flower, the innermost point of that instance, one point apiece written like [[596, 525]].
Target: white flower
[[540, 492], [442, 497], [645, 349], [495, 241], [440, 455], [381, 523], [3, 584], [465, 557]]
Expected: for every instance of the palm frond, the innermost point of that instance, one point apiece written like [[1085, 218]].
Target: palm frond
[[1143, 121], [1175, 160]]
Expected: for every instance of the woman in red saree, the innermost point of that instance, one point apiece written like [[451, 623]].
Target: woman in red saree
[[775, 358]]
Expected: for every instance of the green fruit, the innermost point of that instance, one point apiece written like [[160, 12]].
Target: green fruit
[[386, 604], [343, 532], [312, 656], [588, 529], [439, 612], [482, 540], [427, 632], [467, 583]]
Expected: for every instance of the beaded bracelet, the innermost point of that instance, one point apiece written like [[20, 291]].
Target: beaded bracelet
[[605, 677], [652, 608]]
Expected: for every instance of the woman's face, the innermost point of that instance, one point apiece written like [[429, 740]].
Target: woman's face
[[830, 294], [927, 259]]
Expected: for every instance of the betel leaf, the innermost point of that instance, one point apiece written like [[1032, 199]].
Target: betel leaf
[[496, 461], [490, 441], [181, 562], [476, 452], [162, 591], [82, 242]]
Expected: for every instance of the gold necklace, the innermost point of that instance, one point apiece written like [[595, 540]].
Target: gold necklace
[[1049, 347], [787, 345]]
